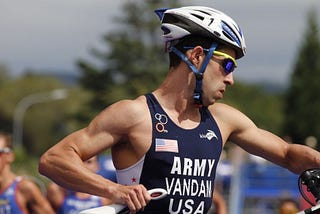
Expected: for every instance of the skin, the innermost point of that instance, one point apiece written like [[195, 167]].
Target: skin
[[28, 194], [56, 194], [219, 203], [288, 207], [125, 128]]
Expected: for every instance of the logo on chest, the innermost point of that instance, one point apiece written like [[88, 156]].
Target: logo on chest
[[162, 121], [209, 135]]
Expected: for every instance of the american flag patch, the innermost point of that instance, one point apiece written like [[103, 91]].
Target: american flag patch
[[166, 145]]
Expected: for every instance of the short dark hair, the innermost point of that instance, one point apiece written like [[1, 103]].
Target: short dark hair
[[7, 138], [189, 41]]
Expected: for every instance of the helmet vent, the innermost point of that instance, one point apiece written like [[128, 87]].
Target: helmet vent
[[199, 17], [217, 33], [227, 35], [165, 30], [201, 11], [228, 32]]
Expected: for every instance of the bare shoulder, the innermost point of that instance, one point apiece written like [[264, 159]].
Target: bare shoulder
[[29, 188], [121, 116], [230, 117], [221, 109], [137, 106], [27, 185], [130, 110]]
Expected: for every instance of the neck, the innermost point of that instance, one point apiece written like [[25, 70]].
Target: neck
[[6, 178], [176, 92], [176, 95]]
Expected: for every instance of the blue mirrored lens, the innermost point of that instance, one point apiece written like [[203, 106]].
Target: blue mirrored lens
[[228, 65]]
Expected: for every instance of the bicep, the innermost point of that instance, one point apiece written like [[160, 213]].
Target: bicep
[[104, 131]]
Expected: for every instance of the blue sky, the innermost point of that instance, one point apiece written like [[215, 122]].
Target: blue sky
[[52, 35]]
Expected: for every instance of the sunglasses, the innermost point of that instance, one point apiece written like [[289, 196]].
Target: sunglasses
[[228, 63], [5, 150]]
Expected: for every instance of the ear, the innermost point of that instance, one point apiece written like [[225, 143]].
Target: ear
[[197, 55]]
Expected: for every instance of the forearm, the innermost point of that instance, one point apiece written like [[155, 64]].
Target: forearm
[[72, 174], [300, 158]]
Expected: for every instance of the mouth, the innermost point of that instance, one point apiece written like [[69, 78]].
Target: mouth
[[221, 92]]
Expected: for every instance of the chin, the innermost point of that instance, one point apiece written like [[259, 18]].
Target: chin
[[209, 102]]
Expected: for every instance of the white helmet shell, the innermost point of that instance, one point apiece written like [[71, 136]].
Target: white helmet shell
[[204, 21]]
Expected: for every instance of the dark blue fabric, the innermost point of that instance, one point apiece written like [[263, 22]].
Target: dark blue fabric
[[188, 175]]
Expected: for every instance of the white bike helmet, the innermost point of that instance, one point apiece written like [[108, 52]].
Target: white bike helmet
[[202, 21]]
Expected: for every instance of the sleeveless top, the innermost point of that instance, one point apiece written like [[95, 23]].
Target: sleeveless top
[[73, 204], [8, 202], [181, 161]]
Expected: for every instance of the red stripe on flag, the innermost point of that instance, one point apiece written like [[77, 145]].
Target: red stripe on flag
[[166, 145]]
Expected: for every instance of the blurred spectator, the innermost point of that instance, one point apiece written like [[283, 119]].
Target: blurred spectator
[[69, 202], [288, 206], [219, 205], [224, 173], [18, 194], [106, 167]]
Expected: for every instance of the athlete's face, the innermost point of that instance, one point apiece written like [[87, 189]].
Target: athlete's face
[[216, 79], [5, 158]]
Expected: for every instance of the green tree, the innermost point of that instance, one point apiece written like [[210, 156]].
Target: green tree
[[44, 123], [135, 62], [302, 108], [264, 108], [5, 124]]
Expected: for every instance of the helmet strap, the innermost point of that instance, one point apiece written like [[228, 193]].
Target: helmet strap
[[197, 95]]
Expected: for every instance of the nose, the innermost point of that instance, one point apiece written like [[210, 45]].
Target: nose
[[228, 80]]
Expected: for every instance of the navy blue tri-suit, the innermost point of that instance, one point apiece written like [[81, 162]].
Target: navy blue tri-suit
[[182, 161]]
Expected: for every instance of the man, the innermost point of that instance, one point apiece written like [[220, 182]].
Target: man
[[288, 206], [69, 202], [18, 195], [172, 138]]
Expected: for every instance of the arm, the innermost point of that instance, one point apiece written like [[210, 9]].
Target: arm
[[55, 195], [294, 157], [242, 131], [33, 198], [63, 163], [219, 203]]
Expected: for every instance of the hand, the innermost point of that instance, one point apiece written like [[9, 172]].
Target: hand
[[136, 197]]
